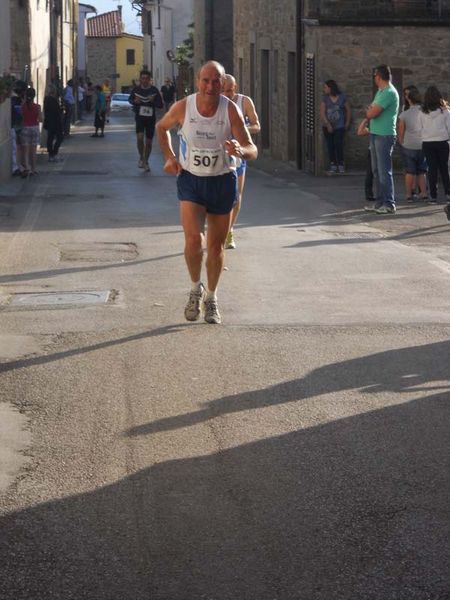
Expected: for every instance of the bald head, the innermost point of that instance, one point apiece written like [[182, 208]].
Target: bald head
[[212, 64], [229, 86]]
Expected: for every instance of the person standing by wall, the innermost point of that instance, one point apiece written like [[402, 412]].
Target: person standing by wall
[[335, 115], [30, 134], [17, 99], [69, 106], [434, 121], [100, 112], [53, 122], [410, 139], [382, 116]]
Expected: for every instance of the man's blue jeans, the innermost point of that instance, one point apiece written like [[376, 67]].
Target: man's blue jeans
[[381, 148]]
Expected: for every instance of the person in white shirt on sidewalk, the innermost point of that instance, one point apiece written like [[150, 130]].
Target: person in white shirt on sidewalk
[[434, 122]]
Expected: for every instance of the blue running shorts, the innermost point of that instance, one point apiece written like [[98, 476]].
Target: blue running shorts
[[217, 193]]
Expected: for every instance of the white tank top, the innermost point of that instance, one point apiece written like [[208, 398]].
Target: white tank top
[[202, 140]]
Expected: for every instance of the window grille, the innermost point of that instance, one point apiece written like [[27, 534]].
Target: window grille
[[310, 112]]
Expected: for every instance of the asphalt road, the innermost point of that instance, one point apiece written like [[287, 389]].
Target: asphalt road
[[300, 451]]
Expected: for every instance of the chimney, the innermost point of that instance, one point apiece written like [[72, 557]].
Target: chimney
[[119, 10]]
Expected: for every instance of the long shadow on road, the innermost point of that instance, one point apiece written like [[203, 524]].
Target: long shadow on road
[[353, 509]]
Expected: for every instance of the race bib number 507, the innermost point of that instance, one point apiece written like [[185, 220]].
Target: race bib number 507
[[206, 161]]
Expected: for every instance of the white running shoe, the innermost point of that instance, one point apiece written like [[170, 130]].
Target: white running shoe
[[141, 164], [212, 314], [195, 304]]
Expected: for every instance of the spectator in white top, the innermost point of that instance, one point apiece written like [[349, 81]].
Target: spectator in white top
[[410, 138], [434, 121]]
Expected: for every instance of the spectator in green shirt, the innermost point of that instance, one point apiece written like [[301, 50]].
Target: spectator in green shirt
[[382, 116]]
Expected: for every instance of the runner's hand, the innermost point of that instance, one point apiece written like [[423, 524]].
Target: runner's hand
[[233, 148], [172, 166]]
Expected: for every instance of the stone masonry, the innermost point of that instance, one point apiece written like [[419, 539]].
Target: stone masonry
[[343, 40], [348, 55], [269, 26], [101, 58]]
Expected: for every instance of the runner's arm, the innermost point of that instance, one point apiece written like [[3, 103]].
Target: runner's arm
[[242, 145], [173, 118], [254, 126]]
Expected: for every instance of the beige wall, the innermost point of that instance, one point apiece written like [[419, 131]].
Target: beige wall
[[128, 72]]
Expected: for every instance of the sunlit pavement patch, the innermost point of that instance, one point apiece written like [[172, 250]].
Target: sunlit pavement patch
[[97, 252]]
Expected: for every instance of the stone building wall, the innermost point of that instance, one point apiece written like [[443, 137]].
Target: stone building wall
[[101, 58], [268, 26], [213, 32], [348, 55]]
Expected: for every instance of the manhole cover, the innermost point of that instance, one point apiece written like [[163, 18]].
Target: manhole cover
[[38, 299], [98, 252]]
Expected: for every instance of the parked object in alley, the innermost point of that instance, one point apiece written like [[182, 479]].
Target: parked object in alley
[[119, 103], [212, 136]]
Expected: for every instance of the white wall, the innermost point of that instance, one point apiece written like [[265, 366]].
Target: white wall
[[5, 107], [39, 47], [175, 16]]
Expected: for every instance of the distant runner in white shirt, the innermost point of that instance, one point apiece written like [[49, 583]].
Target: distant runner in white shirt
[[248, 110], [212, 135]]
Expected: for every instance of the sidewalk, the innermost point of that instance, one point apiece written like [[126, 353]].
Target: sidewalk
[[418, 224]]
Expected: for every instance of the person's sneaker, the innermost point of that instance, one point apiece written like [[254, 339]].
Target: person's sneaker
[[341, 169], [51, 159], [447, 211], [386, 209], [141, 163], [410, 199], [212, 314], [194, 306], [332, 170], [432, 201], [230, 244], [372, 206], [146, 167]]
